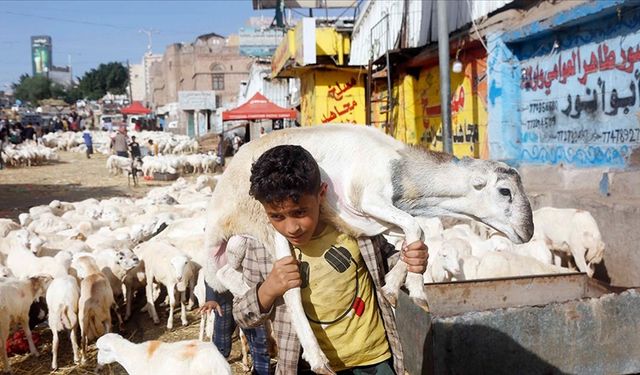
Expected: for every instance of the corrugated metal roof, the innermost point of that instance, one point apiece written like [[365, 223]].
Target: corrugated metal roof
[[378, 26]]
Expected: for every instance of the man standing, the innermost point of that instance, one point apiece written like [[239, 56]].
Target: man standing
[[120, 143], [88, 141]]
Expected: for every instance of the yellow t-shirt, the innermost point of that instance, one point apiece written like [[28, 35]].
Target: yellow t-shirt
[[344, 314]]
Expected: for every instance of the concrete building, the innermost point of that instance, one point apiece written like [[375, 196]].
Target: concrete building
[[211, 63], [137, 82]]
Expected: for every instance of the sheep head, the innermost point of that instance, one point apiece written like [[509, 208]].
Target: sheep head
[[127, 259], [106, 348], [499, 199], [178, 263], [433, 184]]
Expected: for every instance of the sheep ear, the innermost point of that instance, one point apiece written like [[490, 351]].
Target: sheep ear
[[478, 182]]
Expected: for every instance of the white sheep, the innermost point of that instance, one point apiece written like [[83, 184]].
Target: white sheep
[[496, 264], [573, 232], [159, 358], [63, 295], [95, 303], [24, 263], [165, 265], [6, 226], [406, 182], [16, 296]]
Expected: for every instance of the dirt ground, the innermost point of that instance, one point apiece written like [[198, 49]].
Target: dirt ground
[[73, 178]]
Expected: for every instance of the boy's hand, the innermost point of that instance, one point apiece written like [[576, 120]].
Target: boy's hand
[[210, 305], [285, 275], [415, 255]]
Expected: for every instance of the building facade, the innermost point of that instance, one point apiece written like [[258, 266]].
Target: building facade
[[211, 63]]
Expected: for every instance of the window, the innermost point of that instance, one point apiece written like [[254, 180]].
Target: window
[[218, 81]]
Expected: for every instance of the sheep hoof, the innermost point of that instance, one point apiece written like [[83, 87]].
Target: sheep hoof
[[324, 369], [422, 303], [390, 295]]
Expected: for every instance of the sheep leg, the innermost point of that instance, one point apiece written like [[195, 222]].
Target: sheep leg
[[579, 253], [394, 279], [293, 300], [244, 345], [74, 344], [183, 309], [5, 358], [54, 349], [27, 332], [129, 302], [203, 321], [151, 308], [172, 304], [232, 280]]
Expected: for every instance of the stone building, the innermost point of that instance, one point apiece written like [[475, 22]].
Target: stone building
[[211, 65]]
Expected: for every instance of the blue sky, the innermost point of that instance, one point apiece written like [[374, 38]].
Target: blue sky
[[94, 32]]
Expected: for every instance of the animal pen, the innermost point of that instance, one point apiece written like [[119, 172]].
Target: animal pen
[[555, 324]]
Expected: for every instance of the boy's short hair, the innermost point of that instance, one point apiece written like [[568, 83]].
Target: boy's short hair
[[284, 172]]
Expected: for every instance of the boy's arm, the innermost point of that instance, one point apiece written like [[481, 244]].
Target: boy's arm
[[246, 309]]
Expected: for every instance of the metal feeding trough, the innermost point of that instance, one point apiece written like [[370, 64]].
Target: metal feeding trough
[[557, 324]]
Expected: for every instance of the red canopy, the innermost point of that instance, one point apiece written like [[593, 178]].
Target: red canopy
[[258, 108], [135, 108]]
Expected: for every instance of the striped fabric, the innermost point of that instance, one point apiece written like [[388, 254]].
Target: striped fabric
[[378, 256]]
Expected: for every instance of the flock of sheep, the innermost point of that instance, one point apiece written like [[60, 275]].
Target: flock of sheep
[[30, 153], [90, 258], [26, 154], [564, 240]]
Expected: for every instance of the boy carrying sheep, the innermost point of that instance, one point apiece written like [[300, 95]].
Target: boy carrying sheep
[[340, 276]]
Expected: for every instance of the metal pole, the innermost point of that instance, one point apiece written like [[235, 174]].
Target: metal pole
[[445, 80]]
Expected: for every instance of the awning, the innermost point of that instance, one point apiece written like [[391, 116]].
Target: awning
[[258, 108], [136, 108]]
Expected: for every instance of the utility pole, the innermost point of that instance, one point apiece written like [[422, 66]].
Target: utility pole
[[129, 71], [445, 79], [149, 34]]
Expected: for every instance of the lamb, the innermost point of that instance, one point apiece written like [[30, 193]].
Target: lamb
[[505, 264], [118, 165], [6, 226], [24, 263], [156, 357], [406, 182], [16, 297], [573, 232], [62, 301], [165, 265], [95, 303], [444, 259]]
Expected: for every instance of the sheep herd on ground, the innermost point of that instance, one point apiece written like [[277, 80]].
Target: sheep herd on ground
[[30, 153], [90, 258]]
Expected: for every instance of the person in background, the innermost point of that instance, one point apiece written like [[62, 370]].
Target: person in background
[[134, 147], [237, 143], [4, 134], [28, 132], [220, 150], [88, 141], [153, 148], [120, 142], [262, 132], [39, 133]]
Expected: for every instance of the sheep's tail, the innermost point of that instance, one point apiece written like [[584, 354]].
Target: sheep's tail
[[94, 327], [65, 319]]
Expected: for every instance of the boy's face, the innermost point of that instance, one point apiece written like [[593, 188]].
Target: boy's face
[[298, 222]]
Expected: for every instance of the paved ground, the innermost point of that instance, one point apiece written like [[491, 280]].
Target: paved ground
[[72, 178]]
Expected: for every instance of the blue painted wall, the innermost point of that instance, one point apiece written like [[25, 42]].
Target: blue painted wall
[[567, 94]]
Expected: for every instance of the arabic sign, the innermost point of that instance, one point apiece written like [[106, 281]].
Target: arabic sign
[[468, 107], [332, 96], [579, 105], [197, 100]]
